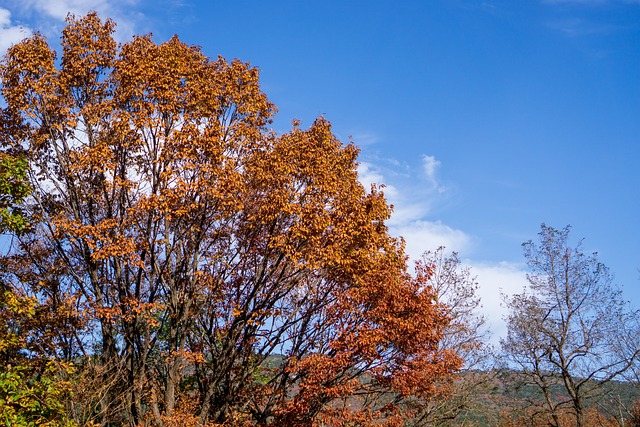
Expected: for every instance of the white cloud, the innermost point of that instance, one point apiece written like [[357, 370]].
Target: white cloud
[[421, 236], [51, 13], [493, 281], [10, 34], [430, 166], [58, 9]]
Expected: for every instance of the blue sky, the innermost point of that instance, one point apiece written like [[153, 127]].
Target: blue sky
[[483, 118]]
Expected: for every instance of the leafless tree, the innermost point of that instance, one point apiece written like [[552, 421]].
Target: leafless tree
[[467, 334], [563, 330]]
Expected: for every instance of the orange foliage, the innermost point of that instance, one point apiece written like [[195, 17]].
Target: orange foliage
[[210, 270]]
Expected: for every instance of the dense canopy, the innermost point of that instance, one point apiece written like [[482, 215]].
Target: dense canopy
[[191, 265]]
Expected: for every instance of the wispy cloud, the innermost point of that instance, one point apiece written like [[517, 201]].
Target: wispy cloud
[[410, 198], [412, 195], [430, 166], [413, 220], [10, 33], [364, 139], [412, 189], [578, 27]]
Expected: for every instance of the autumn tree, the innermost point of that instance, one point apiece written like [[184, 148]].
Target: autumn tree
[[562, 330], [201, 268]]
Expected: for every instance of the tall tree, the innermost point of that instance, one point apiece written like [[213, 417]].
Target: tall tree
[[206, 269], [466, 334], [562, 330]]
